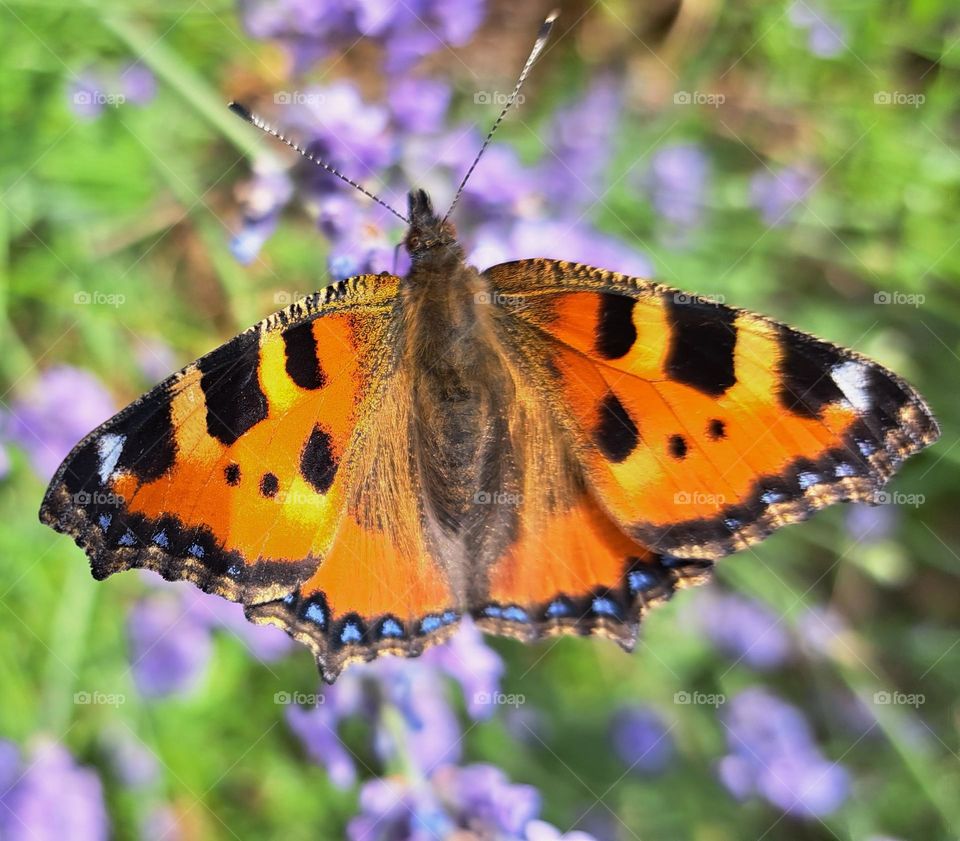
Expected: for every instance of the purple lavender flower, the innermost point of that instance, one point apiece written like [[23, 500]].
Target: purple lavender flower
[[87, 94], [39, 423], [825, 36], [772, 753], [821, 631], [419, 105], [94, 88], [473, 664], [542, 831], [317, 730], [133, 762], [777, 193], [138, 84], [741, 627], [676, 182], [265, 642], [642, 740], [407, 31], [871, 523], [482, 794], [161, 824], [561, 240], [54, 798], [155, 358], [264, 197], [170, 649], [580, 143], [476, 801], [392, 809], [350, 134], [432, 732]]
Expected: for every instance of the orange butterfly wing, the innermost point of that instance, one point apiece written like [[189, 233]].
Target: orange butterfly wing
[[240, 473], [703, 428]]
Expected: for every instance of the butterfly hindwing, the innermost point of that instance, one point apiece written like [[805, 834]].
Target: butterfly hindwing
[[702, 428]]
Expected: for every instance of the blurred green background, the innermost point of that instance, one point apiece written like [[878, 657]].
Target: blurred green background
[[136, 207]]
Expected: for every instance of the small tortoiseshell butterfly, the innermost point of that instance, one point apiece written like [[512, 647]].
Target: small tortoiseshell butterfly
[[547, 447]]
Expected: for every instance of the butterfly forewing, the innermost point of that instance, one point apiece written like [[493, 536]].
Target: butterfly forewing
[[701, 427]]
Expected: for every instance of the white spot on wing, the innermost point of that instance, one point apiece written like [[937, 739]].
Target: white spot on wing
[[109, 448], [851, 379]]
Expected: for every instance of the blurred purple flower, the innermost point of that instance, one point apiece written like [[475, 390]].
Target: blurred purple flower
[[538, 830], [263, 197], [543, 238], [419, 105], [313, 29], [821, 631], [38, 420], [317, 730], [170, 648], [478, 799], [87, 94], [676, 181], [340, 128], [432, 732], [54, 798], [871, 523], [94, 88], [473, 664], [482, 794], [825, 36], [499, 185], [9, 765], [642, 740], [741, 627], [414, 689], [391, 810], [580, 144], [161, 824], [772, 753], [776, 193], [132, 761], [155, 358], [265, 642], [137, 84]]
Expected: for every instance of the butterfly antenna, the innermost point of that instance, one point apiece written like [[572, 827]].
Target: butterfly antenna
[[542, 37], [245, 114]]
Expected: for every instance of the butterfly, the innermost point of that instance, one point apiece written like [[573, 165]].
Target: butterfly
[[544, 446]]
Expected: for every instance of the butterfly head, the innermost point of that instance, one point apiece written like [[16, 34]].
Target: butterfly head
[[427, 231]]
